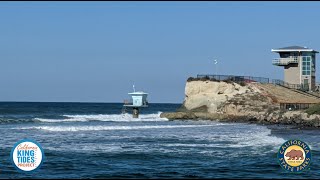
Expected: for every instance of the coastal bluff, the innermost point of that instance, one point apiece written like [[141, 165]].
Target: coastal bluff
[[242, 102]]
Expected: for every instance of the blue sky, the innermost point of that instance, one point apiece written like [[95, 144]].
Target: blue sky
[[94, 51]]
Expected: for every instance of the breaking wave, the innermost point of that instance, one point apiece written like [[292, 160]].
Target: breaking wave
[[104, 117], [103, 128]]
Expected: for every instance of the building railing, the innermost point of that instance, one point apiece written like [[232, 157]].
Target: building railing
[[285, 61], [246, 79], [301, 87], [295, 106]]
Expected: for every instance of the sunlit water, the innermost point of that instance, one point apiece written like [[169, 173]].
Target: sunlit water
[[94, 140]]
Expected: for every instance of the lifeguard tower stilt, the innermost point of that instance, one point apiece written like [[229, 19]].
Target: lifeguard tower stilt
[[139, 100]]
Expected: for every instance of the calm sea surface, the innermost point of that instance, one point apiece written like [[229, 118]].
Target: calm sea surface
[[94, 140]]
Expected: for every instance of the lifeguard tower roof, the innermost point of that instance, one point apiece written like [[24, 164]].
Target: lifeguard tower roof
[[294, 49], [137, 93]]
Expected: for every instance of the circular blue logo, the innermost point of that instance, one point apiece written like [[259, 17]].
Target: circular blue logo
[[27, 155], [294, 156]]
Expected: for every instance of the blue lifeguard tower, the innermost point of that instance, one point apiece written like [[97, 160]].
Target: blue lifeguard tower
[[139, 100]]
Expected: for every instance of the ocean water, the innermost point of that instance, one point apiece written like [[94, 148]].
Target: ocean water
[[94, 140]]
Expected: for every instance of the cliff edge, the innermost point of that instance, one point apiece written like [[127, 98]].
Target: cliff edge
[[245, 102]]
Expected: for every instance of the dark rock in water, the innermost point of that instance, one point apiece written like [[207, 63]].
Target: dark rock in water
[[199, 115], [203, 108], [182, 109], [178, 115]]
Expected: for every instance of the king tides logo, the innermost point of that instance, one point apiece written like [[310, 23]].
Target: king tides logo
[[294, 156], [27, 155]]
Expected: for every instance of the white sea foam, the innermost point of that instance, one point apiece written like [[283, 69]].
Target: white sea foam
[[103, 128], [259, 143], [221, 135], [193, 145], [59, 120], [105, 117], [236, 136], [261, 137]]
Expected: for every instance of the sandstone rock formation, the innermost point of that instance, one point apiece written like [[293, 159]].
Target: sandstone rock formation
[[252, 102], [211, 94]]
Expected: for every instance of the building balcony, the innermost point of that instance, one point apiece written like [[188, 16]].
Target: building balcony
[[285, 61]]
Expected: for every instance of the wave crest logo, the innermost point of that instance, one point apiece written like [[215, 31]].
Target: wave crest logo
[[294, 156], [27, 155]]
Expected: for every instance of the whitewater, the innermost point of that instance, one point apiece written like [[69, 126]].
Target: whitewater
[[92, 140]]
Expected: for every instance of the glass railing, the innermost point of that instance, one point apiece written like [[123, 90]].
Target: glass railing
[[285, 61]]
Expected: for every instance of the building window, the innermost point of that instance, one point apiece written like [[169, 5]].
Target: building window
[[306, 65]]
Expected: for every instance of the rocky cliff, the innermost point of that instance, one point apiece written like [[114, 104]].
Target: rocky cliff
[[210, 94], [230, 101]]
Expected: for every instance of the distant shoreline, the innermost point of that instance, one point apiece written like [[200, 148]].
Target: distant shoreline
[[75, 102]]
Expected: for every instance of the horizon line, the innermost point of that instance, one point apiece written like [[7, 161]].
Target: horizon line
[[77, 102]]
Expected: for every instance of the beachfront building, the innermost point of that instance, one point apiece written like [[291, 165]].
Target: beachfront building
[[299, 65]]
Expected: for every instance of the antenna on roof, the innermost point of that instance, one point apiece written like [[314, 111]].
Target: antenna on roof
[[134, 90]]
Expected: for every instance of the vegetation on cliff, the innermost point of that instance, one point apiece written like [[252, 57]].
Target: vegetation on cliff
[[207, 78], [315, 109]]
